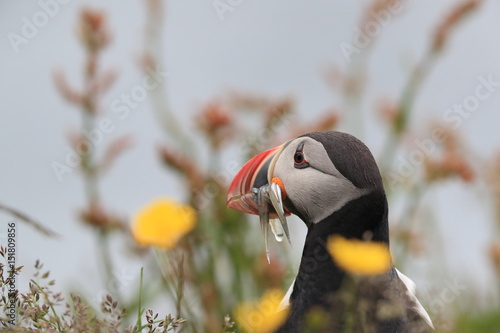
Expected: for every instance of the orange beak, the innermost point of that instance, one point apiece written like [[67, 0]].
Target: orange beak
[[240, 195], [254, 190]]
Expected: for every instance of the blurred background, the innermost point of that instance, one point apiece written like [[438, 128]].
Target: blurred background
[[190, 90]]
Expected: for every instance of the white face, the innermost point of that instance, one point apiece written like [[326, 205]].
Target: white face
[[316, 188]]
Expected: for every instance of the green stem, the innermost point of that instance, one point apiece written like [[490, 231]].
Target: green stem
[[140, 311], [107, 263], [180, 286], [413, 201], [154, 30], [406, 103], [349, 289]]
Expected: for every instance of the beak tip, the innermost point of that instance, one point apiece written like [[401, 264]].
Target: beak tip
[[239, 194], [243, 203]]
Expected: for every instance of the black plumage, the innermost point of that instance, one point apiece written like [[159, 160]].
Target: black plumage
[[320, 281]]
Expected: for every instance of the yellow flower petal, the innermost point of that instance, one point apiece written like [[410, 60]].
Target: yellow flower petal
[[360, 257], [162, 223], [264, 316]]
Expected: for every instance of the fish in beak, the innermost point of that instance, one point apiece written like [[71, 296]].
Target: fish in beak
[[254, 190]]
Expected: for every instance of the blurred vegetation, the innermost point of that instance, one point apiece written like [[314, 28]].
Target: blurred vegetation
[[221, 263]]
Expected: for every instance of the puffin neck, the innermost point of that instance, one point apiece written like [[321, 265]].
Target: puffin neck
[[358, 218], [318, 276], [365, 218]]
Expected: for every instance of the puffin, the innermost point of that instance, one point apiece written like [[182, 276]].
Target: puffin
[[331, 181]]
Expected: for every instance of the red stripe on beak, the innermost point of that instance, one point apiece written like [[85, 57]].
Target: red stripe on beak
[[239, 195]]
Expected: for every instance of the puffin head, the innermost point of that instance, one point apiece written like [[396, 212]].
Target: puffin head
[[313, 176]]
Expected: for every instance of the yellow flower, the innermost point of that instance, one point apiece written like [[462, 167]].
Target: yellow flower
[[359, 257], [162, 223], [264, 316]]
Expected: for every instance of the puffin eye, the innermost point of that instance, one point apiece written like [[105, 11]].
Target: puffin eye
[[299, 159]]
